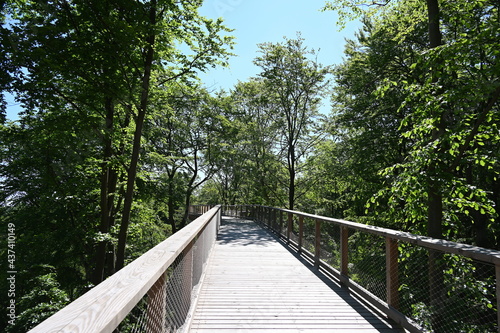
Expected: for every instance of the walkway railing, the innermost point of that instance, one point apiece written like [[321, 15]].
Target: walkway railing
[[423, 284], [152, 294]]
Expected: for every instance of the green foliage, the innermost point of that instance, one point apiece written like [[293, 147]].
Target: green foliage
[[406, 119], [459, 102], [85, 74], [43, 300], [349, 10], [400, 126], [294, 84]]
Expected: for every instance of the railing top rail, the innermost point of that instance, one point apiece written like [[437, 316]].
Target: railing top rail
[[103, 307], [466, 250]]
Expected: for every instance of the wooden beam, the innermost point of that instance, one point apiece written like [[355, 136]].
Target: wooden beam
[[392, 272], [289, 227], [344, 254], [317, 243], [301, 233], [466, 250], [104, 307]]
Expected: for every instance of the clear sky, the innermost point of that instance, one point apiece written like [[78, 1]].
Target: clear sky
[[260, 21]]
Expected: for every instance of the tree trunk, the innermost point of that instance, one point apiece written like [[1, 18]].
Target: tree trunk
[[132, 172], [187, 203], [433, 15], [435, 197], [291, 172], [171, 203], [100, 255]]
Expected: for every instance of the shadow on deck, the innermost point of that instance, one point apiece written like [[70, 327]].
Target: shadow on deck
[[254, 282]]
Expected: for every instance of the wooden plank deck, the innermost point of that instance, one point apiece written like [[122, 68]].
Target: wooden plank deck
[[253, 283]]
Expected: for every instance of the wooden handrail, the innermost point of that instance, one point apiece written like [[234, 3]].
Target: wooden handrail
[[466, 250], [392, 239], [103, 307]]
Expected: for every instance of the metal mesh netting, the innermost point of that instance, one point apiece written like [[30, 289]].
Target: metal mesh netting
[[441, 292], [330, 244], [447, 292], [166, 306], [294, 232], [437, 291], [367, 262]]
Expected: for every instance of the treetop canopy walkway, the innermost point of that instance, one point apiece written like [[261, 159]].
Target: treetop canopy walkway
[[261, 268]]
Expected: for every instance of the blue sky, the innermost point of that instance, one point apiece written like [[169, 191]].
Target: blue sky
[[260, 21]]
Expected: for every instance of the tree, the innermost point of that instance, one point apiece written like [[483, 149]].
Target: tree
[[297, 83], [365, 132], [188, 136], [450, 125], [132, 50], [85, 73], [449, 105], [255, 166]]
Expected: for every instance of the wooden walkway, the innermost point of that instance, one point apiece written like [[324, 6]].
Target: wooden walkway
[[253, 283]]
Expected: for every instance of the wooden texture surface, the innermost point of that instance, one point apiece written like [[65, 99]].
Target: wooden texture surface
[[253, 283], [466, 250], [103, 307]]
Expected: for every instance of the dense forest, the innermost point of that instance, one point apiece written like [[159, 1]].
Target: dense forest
[[118, 135]]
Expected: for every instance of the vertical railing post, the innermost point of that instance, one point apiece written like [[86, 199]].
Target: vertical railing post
[[281, 223], [317, 243], [187, 283], [217, 224], [344, 254], [497, 270], [301, 232], [275, 217], [392, 272], [268, 213], [289, 227], [157, 306]]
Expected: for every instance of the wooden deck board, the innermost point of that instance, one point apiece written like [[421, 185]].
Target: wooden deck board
[[253, 283]]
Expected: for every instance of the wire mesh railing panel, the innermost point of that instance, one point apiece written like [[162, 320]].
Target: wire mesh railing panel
[[447, 292], [135, 322], [179, 288], [294, 232], [275, 219], [166, 306], [308, 236], [330, 244], [425, 289], [367, 262]]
